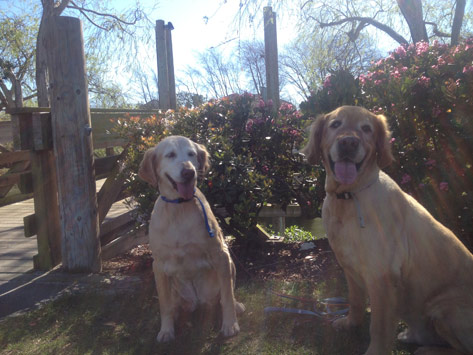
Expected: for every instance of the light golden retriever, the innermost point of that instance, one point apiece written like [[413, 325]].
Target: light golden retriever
[[192, 264], [391, 249]]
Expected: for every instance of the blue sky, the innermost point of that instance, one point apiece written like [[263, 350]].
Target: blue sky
[[202, 24]]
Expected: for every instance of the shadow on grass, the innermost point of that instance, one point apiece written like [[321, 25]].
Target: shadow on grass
[[95, 323]]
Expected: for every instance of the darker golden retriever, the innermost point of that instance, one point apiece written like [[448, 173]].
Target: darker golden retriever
[[391, 249]]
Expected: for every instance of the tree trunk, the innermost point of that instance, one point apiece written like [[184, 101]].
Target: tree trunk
[[458, 21], [412, 12], [42, 79]]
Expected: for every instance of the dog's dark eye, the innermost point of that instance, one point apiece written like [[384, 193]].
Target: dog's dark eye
[[191, 154], [335, 124], [366, 128], [170, 155]]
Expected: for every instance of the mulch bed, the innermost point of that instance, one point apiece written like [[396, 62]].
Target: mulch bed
[[269, 261]]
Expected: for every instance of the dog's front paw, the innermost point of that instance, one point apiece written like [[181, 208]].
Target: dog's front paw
[[165, 335], [230, 329]]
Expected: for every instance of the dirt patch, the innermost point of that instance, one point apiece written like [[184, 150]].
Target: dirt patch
[[270, 261]]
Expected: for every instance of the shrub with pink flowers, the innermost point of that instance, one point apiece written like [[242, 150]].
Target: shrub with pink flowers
[[253, 152], [426, 92]]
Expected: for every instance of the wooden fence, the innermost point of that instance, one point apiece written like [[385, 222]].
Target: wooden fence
[[33, 171]]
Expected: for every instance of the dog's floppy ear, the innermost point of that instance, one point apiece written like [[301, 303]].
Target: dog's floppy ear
[[202, 158], [313, 149], [148, 167], [383, 142]]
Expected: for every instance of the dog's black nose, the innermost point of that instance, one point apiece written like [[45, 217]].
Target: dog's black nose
[[348, 145], [188, 174]]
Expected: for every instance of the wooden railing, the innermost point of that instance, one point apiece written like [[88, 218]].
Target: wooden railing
[[32, 168]]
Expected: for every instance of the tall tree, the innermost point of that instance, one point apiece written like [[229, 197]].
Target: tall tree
[[17, 38], [402, 20], [102, 19], [307, 61], [252, 63], [222, 76], [439, 19]]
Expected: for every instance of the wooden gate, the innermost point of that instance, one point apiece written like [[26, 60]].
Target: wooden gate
[[31, 167]]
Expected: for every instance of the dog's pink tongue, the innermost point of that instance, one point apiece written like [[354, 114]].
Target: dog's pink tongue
[[345, 172], [186, 191]]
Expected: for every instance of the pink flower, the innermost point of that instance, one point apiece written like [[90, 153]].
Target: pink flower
[[327, 83], [405, 179], [443, 186], [421, 47], [401, 51], [392, 140], [424, 81], [468, 69], [249, 125]]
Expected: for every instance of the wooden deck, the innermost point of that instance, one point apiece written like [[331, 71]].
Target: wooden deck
[[16, 251]]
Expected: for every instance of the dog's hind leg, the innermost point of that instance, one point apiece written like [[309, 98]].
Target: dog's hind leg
[[454, 323]]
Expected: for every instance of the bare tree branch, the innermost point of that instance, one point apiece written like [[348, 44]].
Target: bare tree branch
[[116, 18], [370, 21], [436, 30]]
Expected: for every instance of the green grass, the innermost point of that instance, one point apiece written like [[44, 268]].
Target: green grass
[[128, 324]]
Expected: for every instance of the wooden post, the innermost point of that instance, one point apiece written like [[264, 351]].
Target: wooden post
[[166, 81], [47, 221], [271, 56], [171, 80], [72, 137]]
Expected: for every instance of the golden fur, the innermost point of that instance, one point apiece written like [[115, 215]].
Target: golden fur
[[190, 267], [409, 265]]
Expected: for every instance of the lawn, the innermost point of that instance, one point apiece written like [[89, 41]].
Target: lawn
[[127, 323]]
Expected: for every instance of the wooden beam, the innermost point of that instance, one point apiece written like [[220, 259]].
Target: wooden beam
[[271, 56], [14, 157], [30, 225], [111, 188], [163, 75], [73, 150]]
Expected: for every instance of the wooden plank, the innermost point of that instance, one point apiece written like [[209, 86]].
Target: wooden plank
[[25, 142], [14, 176], [8, 200], [111, 189], [9, 180], [103, 166], [30, 225], [47, 221], [13, 157], [42, 131], [6, 132], [276, 211], [110, 230], [125, 242], [73, 147], [26, 110]]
